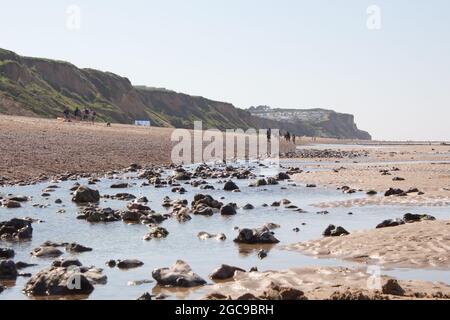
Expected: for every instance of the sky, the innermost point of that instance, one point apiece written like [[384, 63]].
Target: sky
[[385, 61]]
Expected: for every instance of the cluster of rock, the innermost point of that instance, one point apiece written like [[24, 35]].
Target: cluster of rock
[[407, 218], [16, 229], [256, 236], [325, 154], [179, 275]]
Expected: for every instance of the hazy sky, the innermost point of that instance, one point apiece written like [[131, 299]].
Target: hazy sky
[[296, 54]]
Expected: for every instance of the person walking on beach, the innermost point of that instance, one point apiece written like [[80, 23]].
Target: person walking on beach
[[77, 113], [66, 114], [93, 115], [293, 138], [269, 134], [86, 114]]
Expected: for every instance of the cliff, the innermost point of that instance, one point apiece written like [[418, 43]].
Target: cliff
[[43, 88]]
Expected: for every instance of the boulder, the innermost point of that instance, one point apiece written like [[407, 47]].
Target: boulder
[[410, 218], [283, 176], [333, 231], [19, 198], [6, 253], [46, 252], [145, 297], [11, 204], [311, 185], [65, 263], [129, 264], [261, 182], [85, 195], [276, 292], [230, 186], [224, 272], [156, 233], [248, 206], [391, 286], [59, 281], [254, 236], [16, 229], [228, 210], [8, 270], [272, 181], [120, 185], [179, 275], [394, 192], [390, 223], [22, 265], [77, 248]]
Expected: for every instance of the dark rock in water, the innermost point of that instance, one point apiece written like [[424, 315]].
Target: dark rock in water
[[124, 196], [142, 200], [283, 176], [58, 201], [333, 231], [11, 204], [248, 206], [46, 252], [120, 185], [275, 292], [261, 182], [2, 288], [23, 265], [276, 204], [391, 286], [156, 233], [129, 264], [394, 192], [253, 236], [311, 185], [271, 226], [228, 210], [131, 216], [203, 210], [96, 215], [206, 200], [182, 176], [8, 270], [85, 195], [398, 179], [409, 217], [6, 253], [413, 190], [77, 248], [65, 263], [19, 198], [230, 186], [215, 296], [262, 254], [224, 272], [272, 181], [16, 229], [296, 229], [179, 275], [111, 263], [59, 281], [371, 193], [390, 223], [146, 296]]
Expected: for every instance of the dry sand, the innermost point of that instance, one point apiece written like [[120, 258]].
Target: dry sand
[[327, 283], [415, 245]]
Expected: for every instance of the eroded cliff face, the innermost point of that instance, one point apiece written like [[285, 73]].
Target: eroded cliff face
[[42, 87]]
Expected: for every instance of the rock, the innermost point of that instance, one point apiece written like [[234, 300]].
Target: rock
[[11, 204], [371, 193], [275, 292], [23, 265], [311, 185], [58, 201], [272, 181], [391, 286], [276, 204], [8, 270], [207, 200], [19, 198], [224, 272], [248, 206], [271, 226], [262, 254], [413, 190], [65, 263], [111, 263], [46, 252], [96, 215], [182, 176], [59, 281], [253, 236], [146, 296], [390, 223], [230, 186], [129, 264], [333, 231], [131, 216], [228, 210], [398, 179], [2, 288], [283, 176], [123, 196], [16, 229], [215, 296], [85, 195], [296, 229], [142, 200], [120, 185], [6, 253], [139, 282], [247, 297], [409, 218], [77, 248], [392, 192], [179, 275], [156, 233], [261, 182]]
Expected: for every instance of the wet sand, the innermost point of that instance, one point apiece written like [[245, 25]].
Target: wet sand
[[328, 283], [414, 245]]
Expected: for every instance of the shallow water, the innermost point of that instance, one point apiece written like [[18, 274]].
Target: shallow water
[[121, 241]]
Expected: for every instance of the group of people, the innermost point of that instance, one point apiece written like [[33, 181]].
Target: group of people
[[287, 136], [85, 115]]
